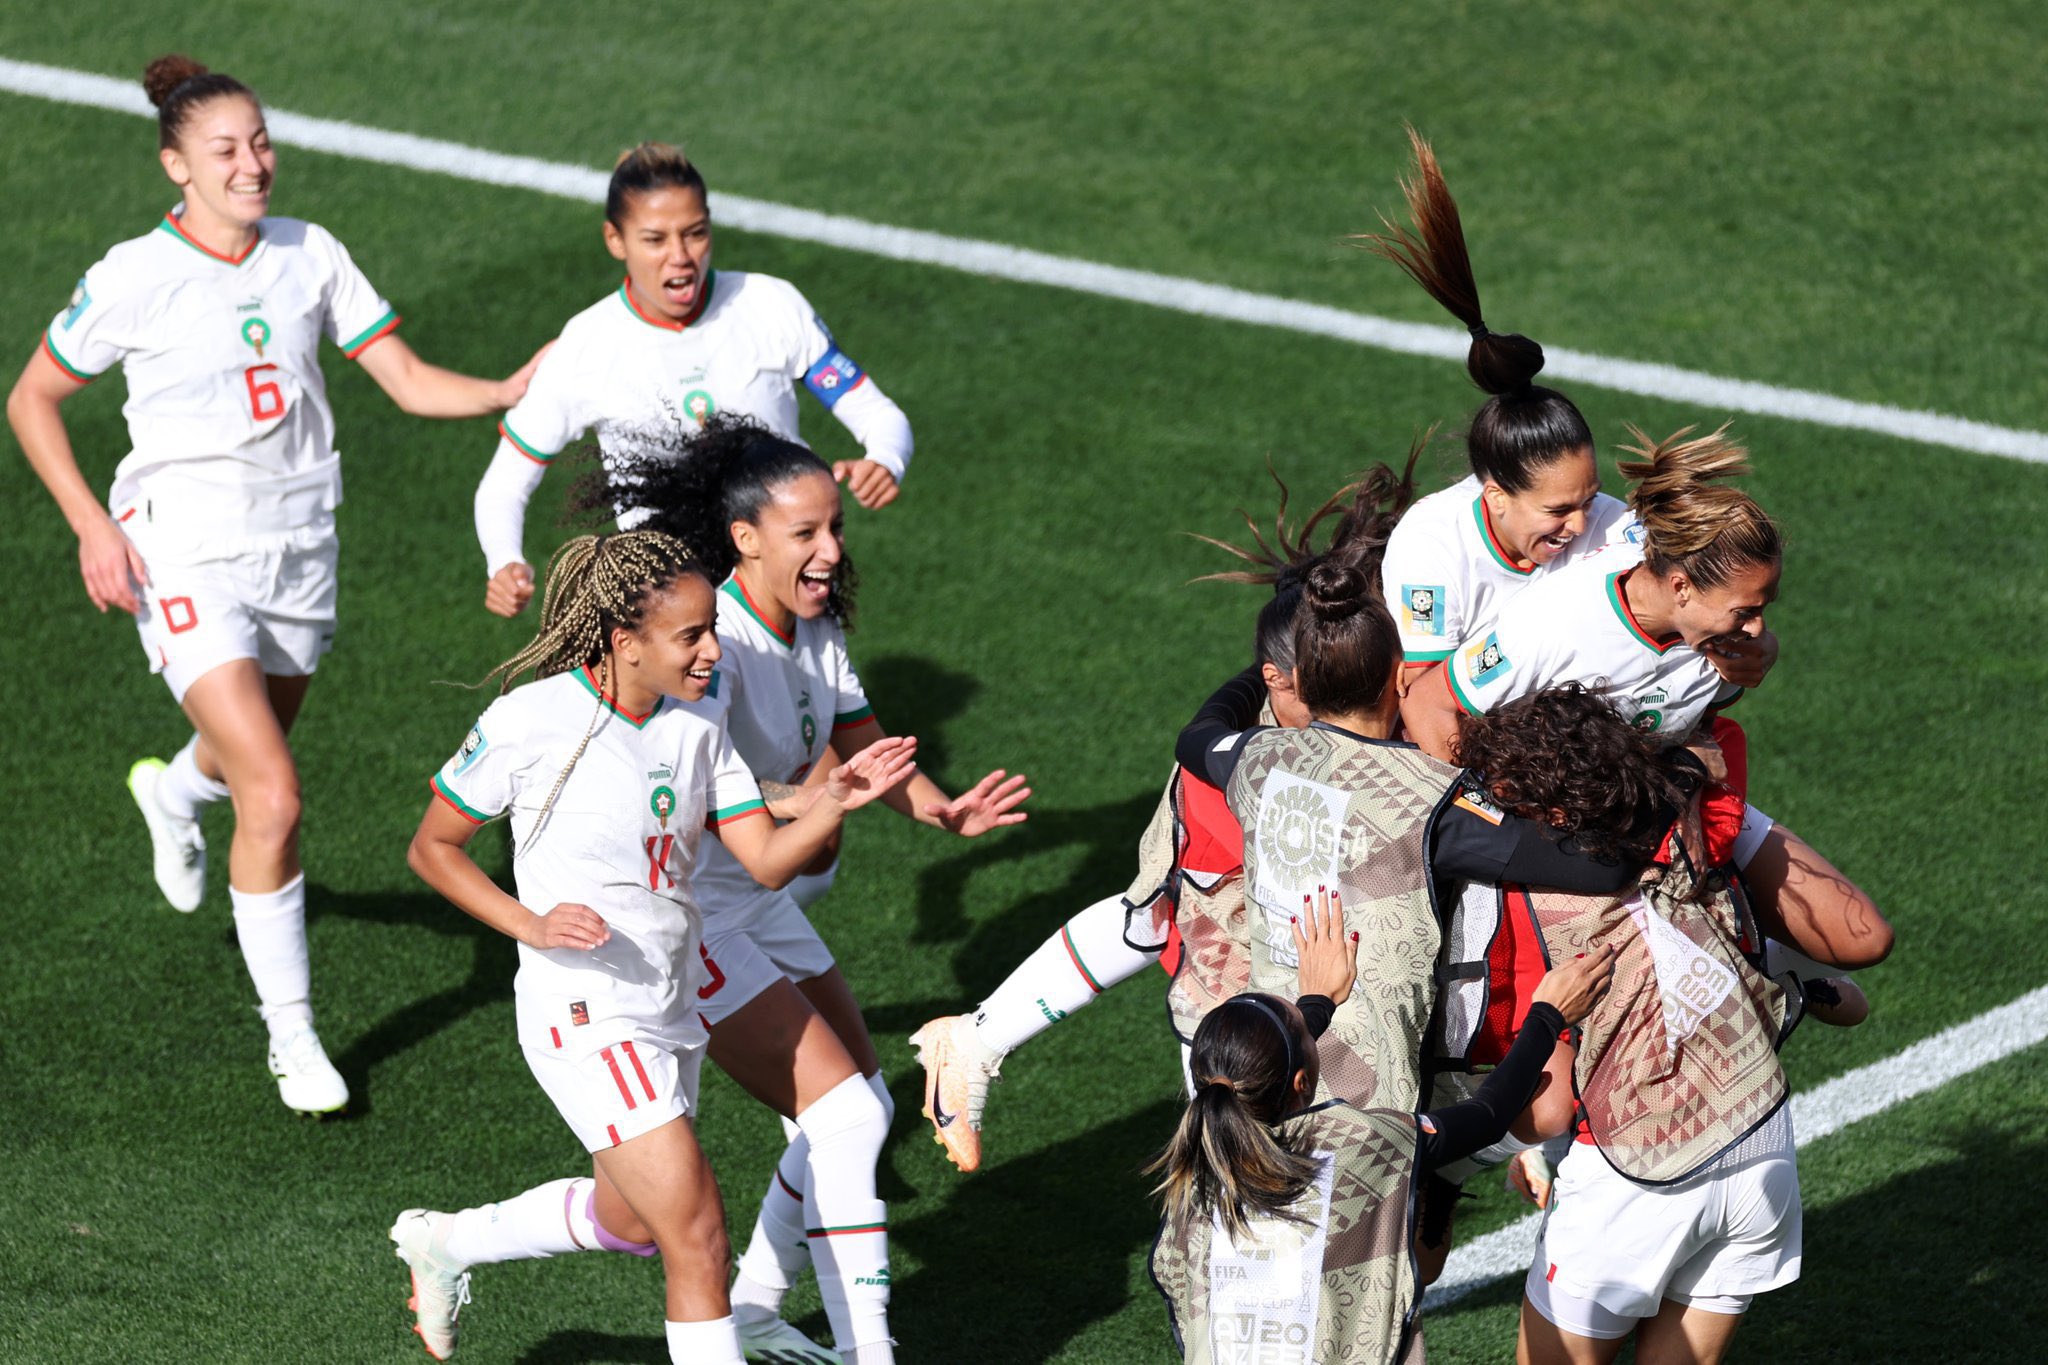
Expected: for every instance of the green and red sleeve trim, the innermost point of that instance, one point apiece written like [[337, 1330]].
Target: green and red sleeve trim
[[50, 348], [1426, 656], [1617, 599], [371, 335], [1492, 541], [846, 720], [461, 807], [171, 225], [1458, 693], [523, 446], [740, 811], [737, 591]]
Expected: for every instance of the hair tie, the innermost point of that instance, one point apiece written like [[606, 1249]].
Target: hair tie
[[1478, 330], [1223, 1081]]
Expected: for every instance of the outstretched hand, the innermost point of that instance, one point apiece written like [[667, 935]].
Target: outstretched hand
[[988, 804], [1328, 955], [881, 767]]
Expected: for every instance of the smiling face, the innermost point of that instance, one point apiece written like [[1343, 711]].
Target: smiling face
[[673, 651], [665, 242], [792, 552], [1729, 610], [1540, 522], [224, 162]]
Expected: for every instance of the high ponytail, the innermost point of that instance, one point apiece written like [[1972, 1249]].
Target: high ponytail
[[1522, 427], [178, 86], [1346, 647], [1226, 1156], [1367, 509], [1691, 523], [693, 482]]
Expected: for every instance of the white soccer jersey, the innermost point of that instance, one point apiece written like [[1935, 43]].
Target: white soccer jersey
[[1446, 576], [621, 838], [227, 411], [633, 376], [1575, 626], [788, 694]]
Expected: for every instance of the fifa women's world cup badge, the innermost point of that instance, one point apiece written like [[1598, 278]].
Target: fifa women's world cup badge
[[663, 803]]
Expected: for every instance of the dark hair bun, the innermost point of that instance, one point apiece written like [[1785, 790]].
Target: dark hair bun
[[1335, 589], [166, 74], [1503, 363]]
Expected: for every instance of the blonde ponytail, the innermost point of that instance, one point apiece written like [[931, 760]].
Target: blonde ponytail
[[1692, 523]]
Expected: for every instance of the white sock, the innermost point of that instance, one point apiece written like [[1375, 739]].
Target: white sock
[[271, 927], [704, 1343], [182, 790], [880, 1085], [1085, 958], [778, 1251], [527, 1227], [847, 1225], [881, 1352]]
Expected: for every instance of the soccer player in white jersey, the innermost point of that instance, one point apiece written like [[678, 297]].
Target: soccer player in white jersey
[[1670, 629], [674, 344], [613, 764], [219, 537], [1532, 503], [763, 512]]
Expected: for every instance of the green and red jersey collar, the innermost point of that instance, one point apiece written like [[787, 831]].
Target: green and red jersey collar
[[1618, 599], [737, 591], [652, 319], [1492, 541], [589, 681], [171, 225]]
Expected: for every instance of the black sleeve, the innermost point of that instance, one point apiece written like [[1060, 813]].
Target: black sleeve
[[1316, 1012], [1209, 746], [1473, 1125], [1472, 840]]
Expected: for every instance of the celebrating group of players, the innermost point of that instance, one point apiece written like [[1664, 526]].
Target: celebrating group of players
[[1357, 927]]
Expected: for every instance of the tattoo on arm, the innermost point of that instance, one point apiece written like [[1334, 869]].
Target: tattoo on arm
[[772, 792]]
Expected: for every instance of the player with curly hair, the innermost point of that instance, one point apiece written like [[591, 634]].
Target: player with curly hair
[[219, 534], [613, 764]]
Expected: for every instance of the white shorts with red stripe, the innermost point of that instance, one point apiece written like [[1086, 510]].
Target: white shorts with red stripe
[[268, 598], [748, 952], [616, 1091]]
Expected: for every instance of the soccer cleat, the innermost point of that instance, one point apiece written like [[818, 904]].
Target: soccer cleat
[[439, 1287], [774, 1342], [957, 1069], [306, 1080], [178, 851]]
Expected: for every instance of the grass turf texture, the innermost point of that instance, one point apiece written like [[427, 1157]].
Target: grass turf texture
[[160, 1205]]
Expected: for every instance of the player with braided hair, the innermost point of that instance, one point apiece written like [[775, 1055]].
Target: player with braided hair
[[676, 342], [613, 763], [762, 513], [219, 536]]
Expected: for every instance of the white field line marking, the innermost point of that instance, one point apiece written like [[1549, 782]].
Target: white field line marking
[[1036, 267], [1827, 1108]]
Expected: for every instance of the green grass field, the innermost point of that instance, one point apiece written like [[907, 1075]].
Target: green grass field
[[1837, 198]]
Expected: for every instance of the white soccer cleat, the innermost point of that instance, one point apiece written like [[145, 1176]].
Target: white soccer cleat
[[306, 1080], [772, 1341], [957, 1069], [177, 849], [440, 1288]]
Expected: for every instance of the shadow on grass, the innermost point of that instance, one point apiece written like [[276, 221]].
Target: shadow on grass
[[914, 696], [493, 962], [1959, 1277], [562, 1348], [1025, 1255]]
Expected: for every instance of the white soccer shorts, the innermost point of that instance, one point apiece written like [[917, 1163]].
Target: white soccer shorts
[[614, 1092], [778, 929], [1612, 1250], [273, 605]]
